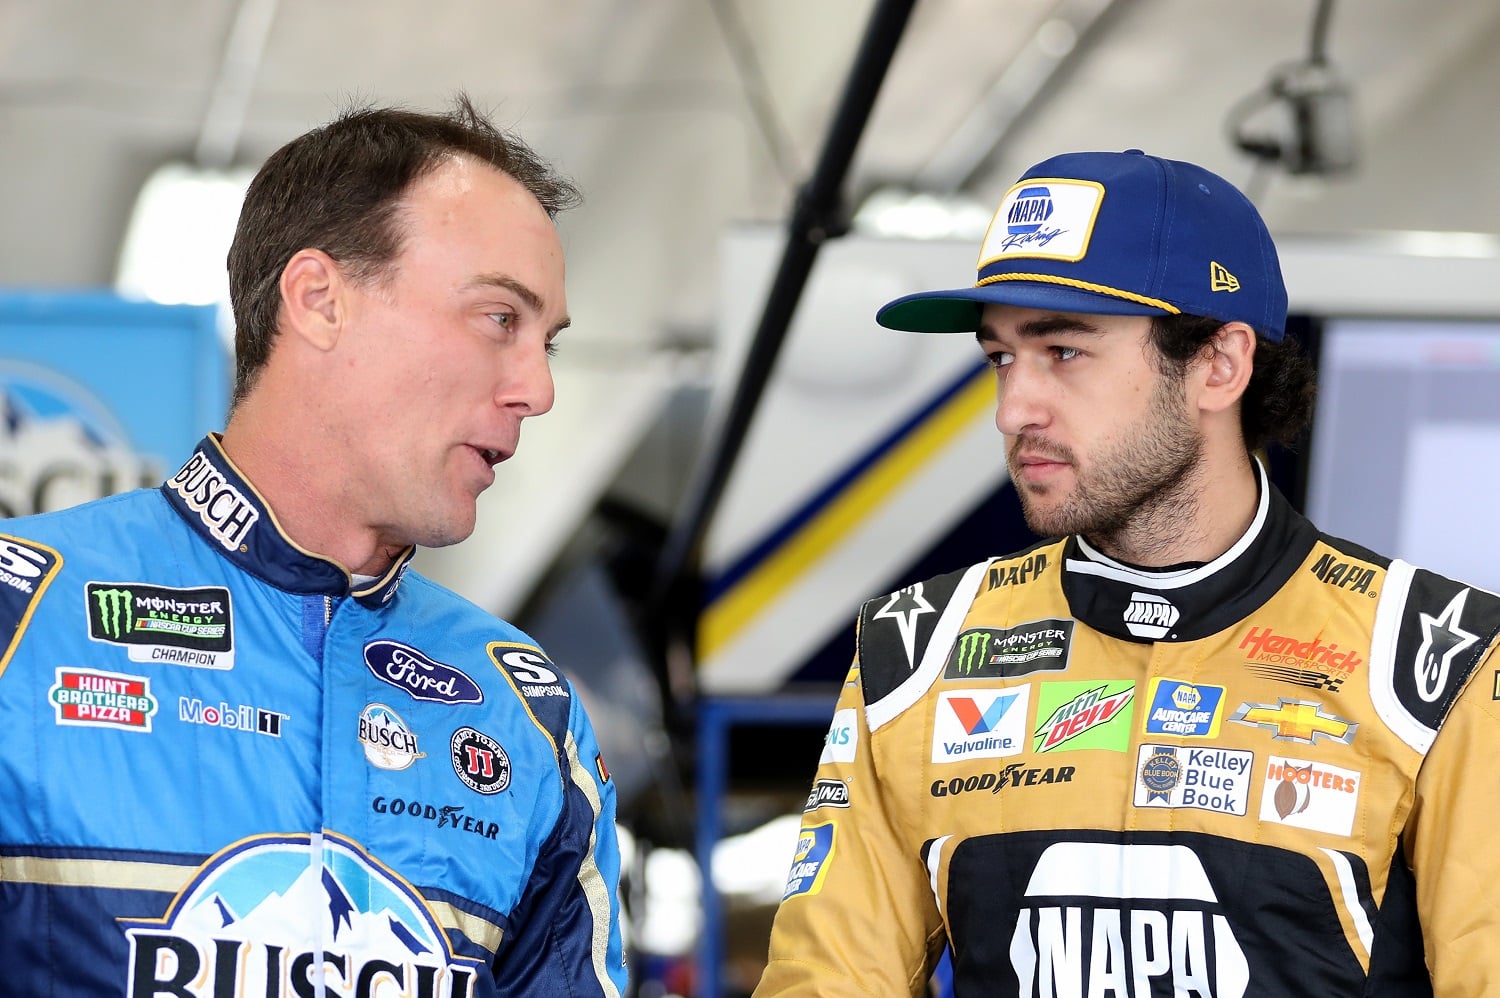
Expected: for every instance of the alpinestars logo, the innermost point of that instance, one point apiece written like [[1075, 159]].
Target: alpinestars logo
[[1150, 615], [1442, 640], [904, 607]]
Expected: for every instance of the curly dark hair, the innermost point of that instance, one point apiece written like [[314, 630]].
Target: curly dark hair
[[1278, 402], [339, 188]]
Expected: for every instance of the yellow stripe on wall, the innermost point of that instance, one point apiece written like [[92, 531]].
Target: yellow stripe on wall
[[732, 612]]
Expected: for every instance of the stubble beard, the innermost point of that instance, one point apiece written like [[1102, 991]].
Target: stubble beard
[[1138, 494]]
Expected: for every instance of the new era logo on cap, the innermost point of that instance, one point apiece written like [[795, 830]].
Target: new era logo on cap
[[1220, 279], [1046, 218]]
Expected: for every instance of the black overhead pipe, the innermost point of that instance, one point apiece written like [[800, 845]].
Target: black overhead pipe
[[817, 214]]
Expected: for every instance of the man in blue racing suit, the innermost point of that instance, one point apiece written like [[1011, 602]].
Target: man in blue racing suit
[[243, 749]]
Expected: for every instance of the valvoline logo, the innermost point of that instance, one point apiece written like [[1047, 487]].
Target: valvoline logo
[[1032, 207], [258, 919], [979, 722]]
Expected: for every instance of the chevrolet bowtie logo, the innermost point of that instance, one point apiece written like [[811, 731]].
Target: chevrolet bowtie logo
[[1220, 279], [1296, 721]]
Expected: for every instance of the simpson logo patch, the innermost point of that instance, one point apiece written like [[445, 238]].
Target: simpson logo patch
[[1010, 652], [1084, 715], [26, 569], [163, 624], [87, 698], [531, 670], [810, 863], [1310, 795]]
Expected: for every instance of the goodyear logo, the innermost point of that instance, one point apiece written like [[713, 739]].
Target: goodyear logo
[[1010, 652]]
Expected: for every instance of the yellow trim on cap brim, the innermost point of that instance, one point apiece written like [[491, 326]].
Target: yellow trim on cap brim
[[1083, 286]]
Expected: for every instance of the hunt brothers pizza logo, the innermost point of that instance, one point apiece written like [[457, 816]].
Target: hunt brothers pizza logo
[[258, 919], [86, 698]]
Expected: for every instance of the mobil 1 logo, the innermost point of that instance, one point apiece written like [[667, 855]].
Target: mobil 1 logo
[[165, 624]]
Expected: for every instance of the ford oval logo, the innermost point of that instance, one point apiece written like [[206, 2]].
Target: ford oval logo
[[408, 669]]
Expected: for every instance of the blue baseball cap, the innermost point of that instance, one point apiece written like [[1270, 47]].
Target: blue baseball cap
[[1116, 233]]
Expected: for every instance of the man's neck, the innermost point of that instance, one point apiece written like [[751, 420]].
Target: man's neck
[[1194, 522]]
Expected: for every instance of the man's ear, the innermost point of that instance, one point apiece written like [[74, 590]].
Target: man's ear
[[313, 293], [1228, 360]]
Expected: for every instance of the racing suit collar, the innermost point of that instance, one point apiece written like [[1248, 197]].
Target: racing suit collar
[[226, 511], [1192, 602]]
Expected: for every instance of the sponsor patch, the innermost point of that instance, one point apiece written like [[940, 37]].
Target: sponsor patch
[[602, 769], [1312, 663], [242, 925], [224, 510], [88, 698], [26, 569], [842, 738], [979, 724], [387, 741], [1013, 775], [827, 793], [1084, 715], [1174, 776], [1150, 616], [479, 761], [1310, 795], [1051, 219], [1443, 638], [1016, 573], [1010, 652], [1296, 721], [230, 717], [904, 607], [532, 671], [425, 679], [810, 863], [450, 817], [1187, 710], [177, 626], [1356, 578]]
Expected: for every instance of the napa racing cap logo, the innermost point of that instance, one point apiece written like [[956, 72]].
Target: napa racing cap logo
[[1043, 217], [531, 670], [979, 724], [1187, 710], [388, 742], [1085, 715], [221, 506], [810, 862], [1310, 795], [88, 698], [60, 445], [1102, 918], [163, 624], [1010, 652], [1173, 776], [259, 919], [425, 679], [1150, 616]]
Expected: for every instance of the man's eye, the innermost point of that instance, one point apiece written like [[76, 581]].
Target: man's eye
[[999, 358], [1065, 353], [503, 319]]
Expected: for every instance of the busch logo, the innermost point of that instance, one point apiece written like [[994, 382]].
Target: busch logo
[[226, 513], [1150, 615], [1342, 574], [1085, 933], [258, 919]]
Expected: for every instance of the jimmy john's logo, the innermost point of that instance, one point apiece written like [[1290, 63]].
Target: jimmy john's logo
[[1150, 615], [1009, 652], [1355, 578], [1296, 721], [163, 624], [425, 679], [224, 510], [87, 698], [1016, 573], [1310, 795], [257, 919], [1313, 662], [531, 670], [479, 761], [827, 793]]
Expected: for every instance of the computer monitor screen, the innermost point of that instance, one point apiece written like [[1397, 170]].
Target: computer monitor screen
[[1405, 450]]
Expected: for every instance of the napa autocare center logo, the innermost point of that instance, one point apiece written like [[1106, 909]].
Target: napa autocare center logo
[[60, 445], [191, 627]]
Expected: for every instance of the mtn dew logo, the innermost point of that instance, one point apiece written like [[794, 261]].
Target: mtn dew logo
[[258, 919], [1088, 715], [60, 446], [1010, 652], [163, 624]]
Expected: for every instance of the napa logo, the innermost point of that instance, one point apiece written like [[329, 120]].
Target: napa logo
[[60, 445], [259, 919], [1032, 207], [1045, 218]]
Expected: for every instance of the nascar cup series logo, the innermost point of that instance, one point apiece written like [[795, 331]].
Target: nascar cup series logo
[[259, 919], [163, 624], [60, 446]]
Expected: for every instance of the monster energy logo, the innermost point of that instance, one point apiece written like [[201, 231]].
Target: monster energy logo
[[1010, 652], [116, 607]]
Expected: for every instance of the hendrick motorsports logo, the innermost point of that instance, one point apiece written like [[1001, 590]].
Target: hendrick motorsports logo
[[258, 919], [162, 623], [1010, 652]]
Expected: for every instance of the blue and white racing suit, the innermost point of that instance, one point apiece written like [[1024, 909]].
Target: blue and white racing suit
[[224, 772]]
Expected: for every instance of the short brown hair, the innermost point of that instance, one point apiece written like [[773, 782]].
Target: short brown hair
[[338, 188]]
